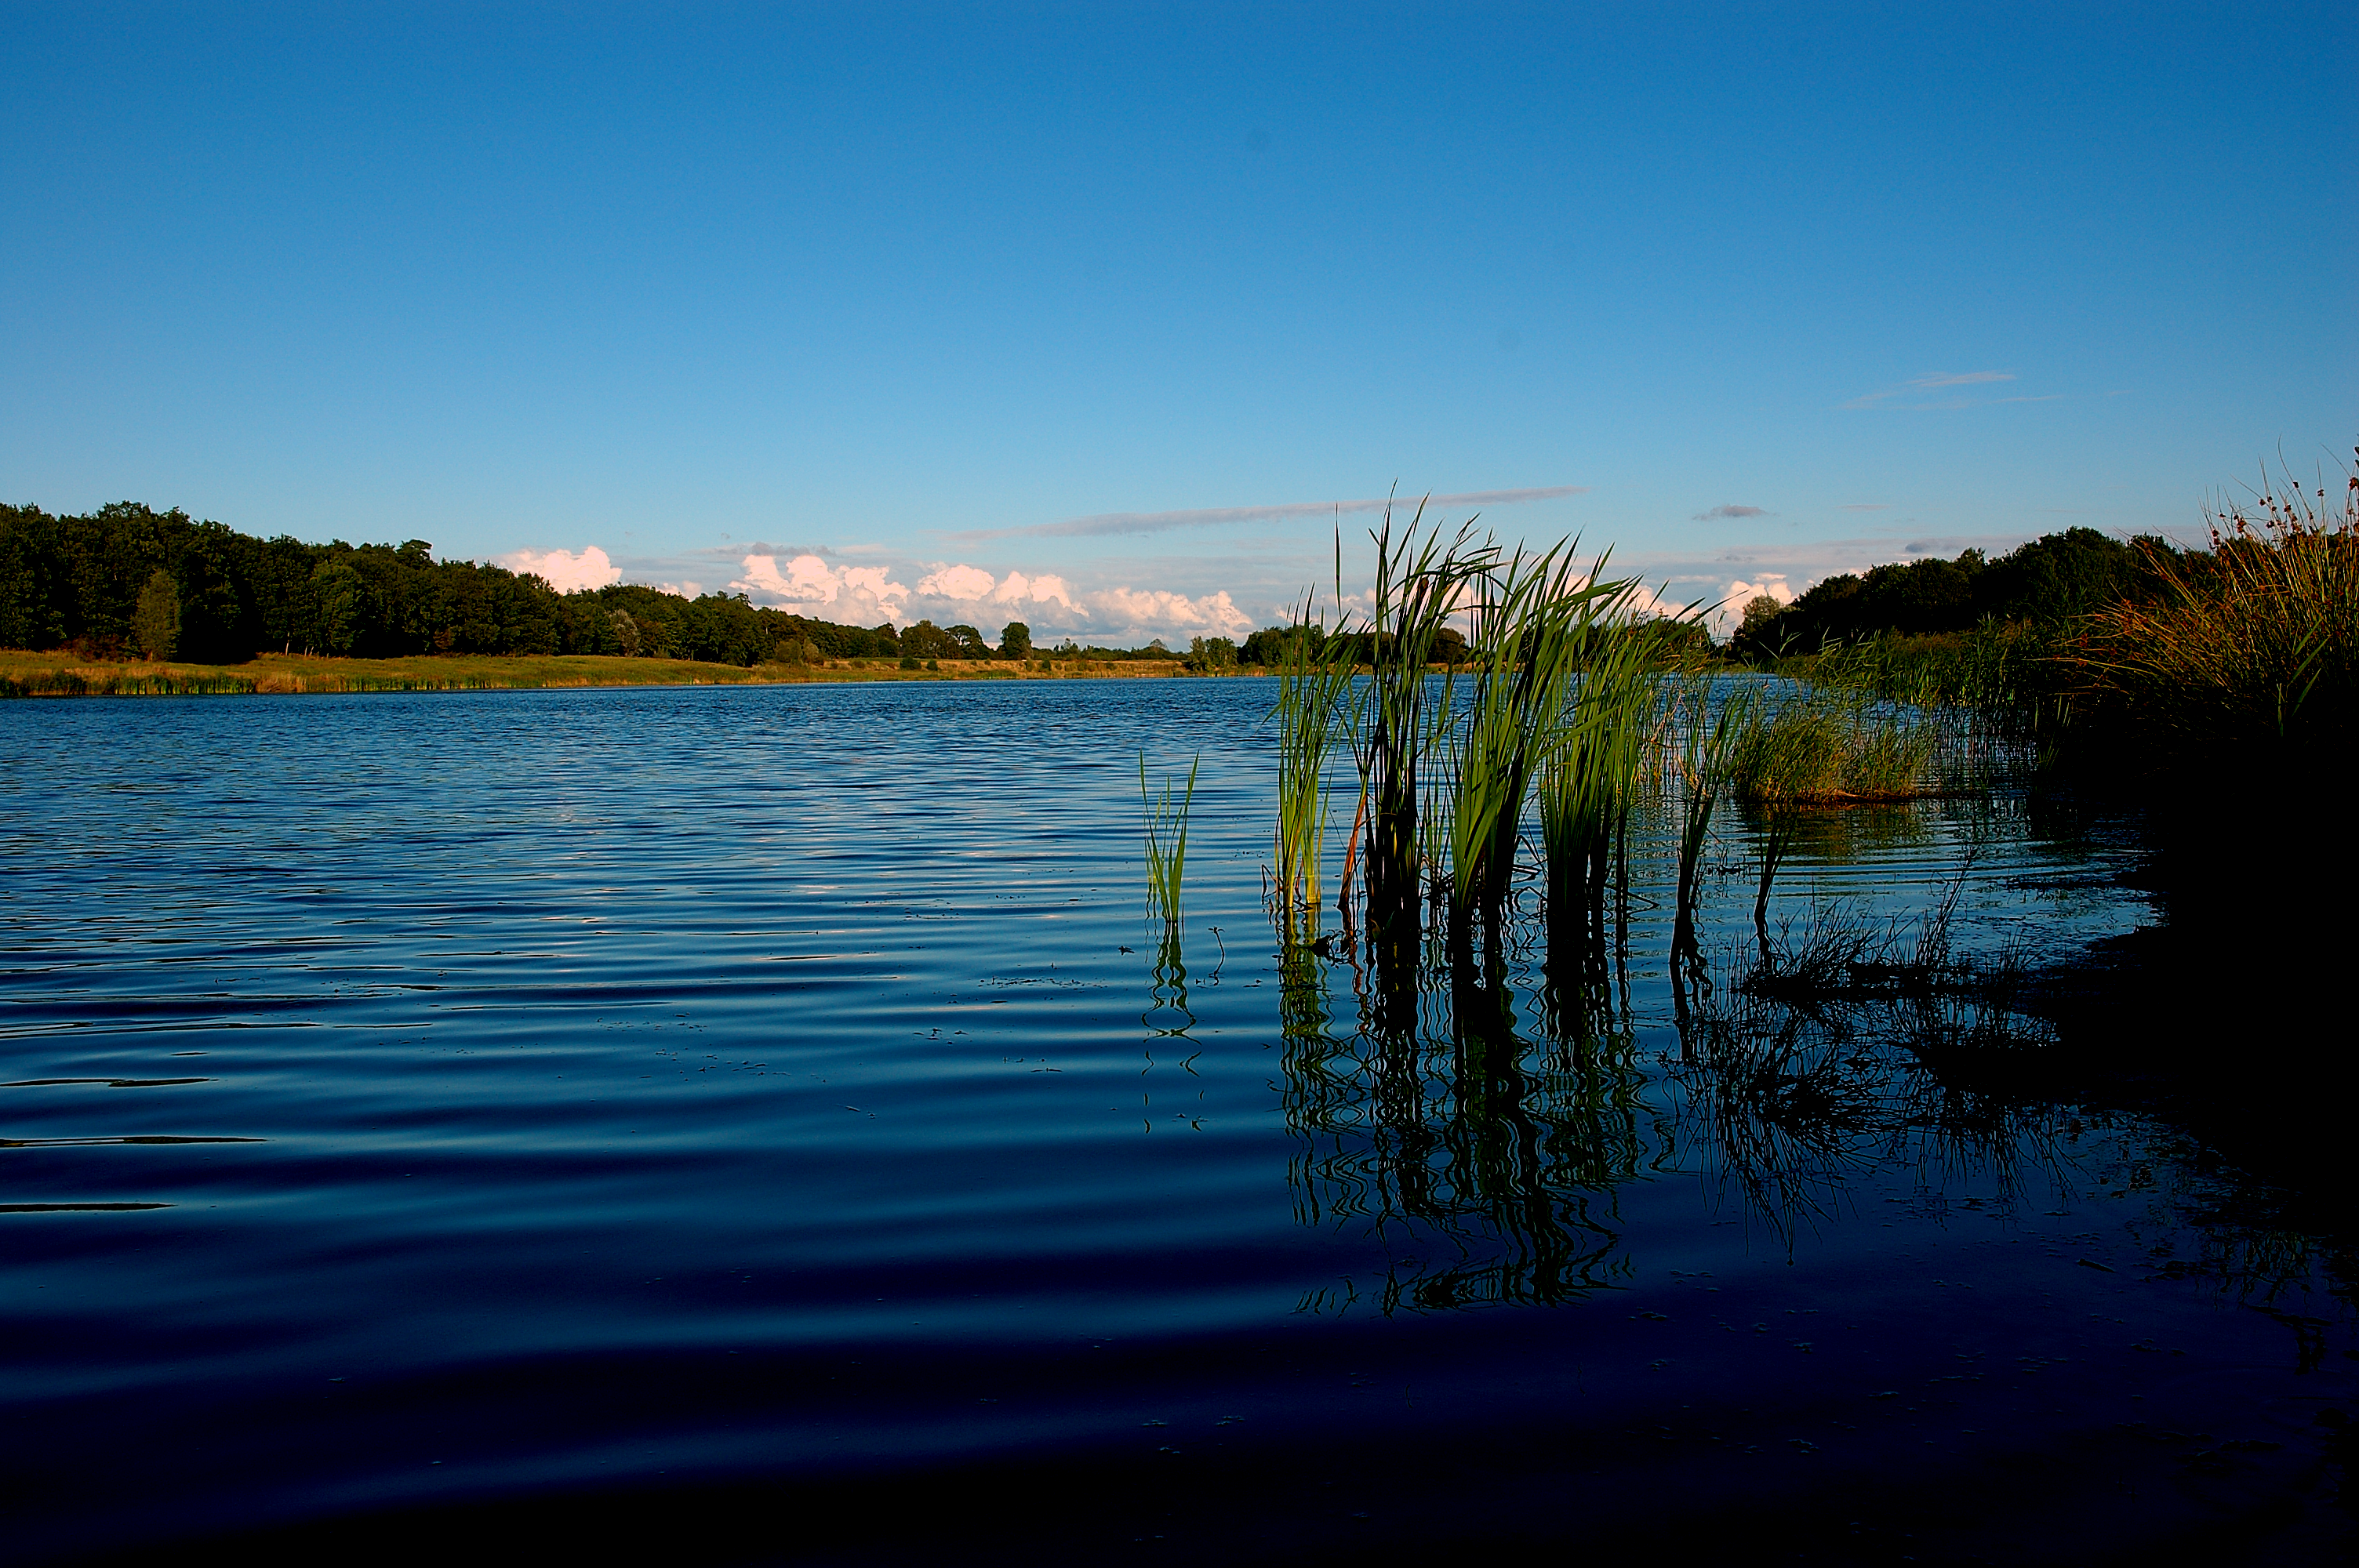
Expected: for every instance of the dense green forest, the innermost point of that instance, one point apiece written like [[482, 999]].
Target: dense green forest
[[126, 579], [2052, 578]]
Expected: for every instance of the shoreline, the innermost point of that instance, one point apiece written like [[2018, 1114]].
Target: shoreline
[[29, 674]]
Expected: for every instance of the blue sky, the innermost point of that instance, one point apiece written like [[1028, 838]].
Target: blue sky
[[1089, 315]]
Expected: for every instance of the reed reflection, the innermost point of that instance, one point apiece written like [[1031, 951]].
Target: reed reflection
[[1484, 1160], [1842, 1048]]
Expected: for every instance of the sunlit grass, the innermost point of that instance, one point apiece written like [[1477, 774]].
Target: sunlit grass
[[2251, 648]]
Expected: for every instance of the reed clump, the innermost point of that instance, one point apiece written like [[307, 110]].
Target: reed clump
[[1709, 736], [1554, 700], [1999, 669], [1817, 751], [1315, 675], [1590, 784], [1167, 842], [1555, 690], [2251, 650], [1395, 724]]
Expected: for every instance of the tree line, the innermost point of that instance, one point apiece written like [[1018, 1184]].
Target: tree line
[[2055, 578], [126, 579], [129, 580]]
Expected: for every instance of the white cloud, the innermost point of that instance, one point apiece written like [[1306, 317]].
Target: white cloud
[[1154, 610], [1741, 594], [808, 585], [1645, 601], [563, 570], [1044, 588], [968, 584]]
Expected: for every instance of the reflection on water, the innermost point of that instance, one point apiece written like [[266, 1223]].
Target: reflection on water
[[1485, 1162], [604, 1087]]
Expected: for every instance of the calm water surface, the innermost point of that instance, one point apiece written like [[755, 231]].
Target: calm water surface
[[432, 1098]]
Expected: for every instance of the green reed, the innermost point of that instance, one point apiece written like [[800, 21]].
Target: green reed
[[1314, 684], [1708, 744], [1820, 750], [1591, 781], [1166, 841], [1535, 617], [1420, 580]]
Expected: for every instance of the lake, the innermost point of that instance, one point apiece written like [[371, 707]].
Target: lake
[[662, 1106]]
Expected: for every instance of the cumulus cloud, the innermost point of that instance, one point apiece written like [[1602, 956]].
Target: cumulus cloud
[[1154, 610], [971, 585], [1741, 594], [1717, 513], [563, 570], [1645, 602], [808, 585], [1045, 588]]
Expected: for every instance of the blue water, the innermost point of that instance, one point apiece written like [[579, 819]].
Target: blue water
[[426, 1098]]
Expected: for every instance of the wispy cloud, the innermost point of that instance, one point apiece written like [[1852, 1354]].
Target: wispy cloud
[[1111, 524], [1971, 378], [1718, 513], [1868, 506], [1896, 396]]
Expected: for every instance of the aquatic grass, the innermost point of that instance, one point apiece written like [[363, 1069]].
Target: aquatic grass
[[1590, 779], [1993, 668], [1553, 668], [1167, 842], [1314, 682], [1709, 737], [2251, 648], [1778, 830], [1788, 752], [1822, 749], [1422, 576], [75, 683], [1885, 754]]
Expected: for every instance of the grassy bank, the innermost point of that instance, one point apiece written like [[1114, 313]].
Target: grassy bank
[[56, 675]]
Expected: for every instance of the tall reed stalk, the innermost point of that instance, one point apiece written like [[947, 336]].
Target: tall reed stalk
[[1535, 619], [1590, 785], [1708, 740], [1420, 581], [1167, 842], [1314, 682]]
